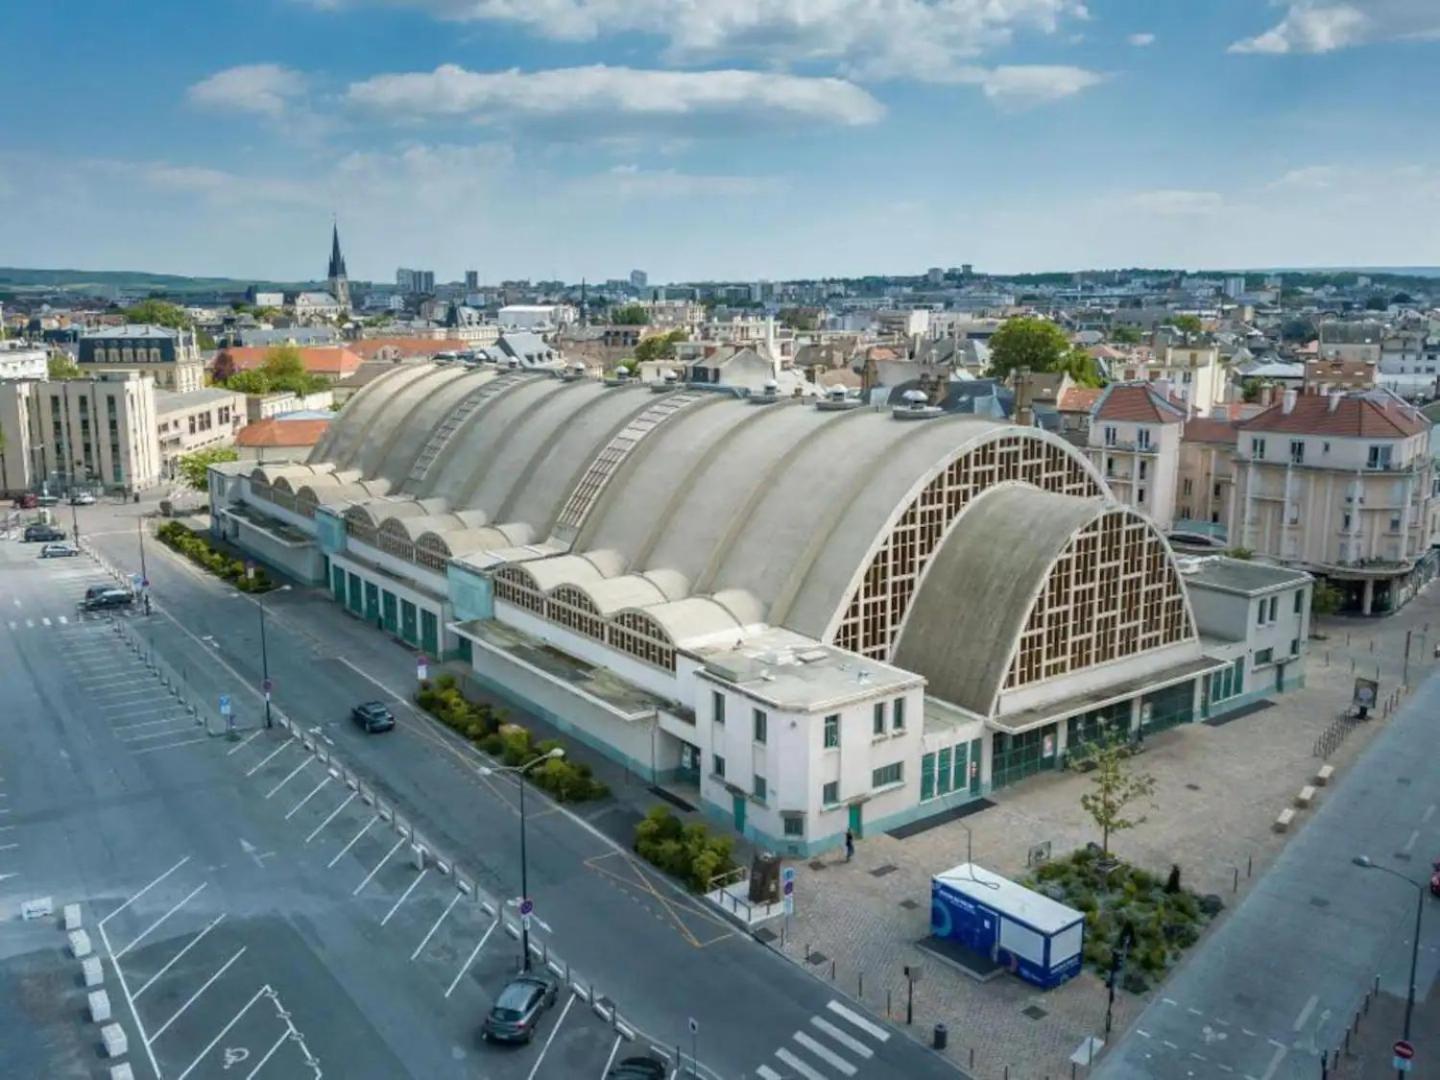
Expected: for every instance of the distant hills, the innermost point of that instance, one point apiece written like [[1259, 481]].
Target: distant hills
[[16, 278]]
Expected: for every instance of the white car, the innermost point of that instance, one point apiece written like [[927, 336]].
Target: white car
[[58, 551], [83, 499]]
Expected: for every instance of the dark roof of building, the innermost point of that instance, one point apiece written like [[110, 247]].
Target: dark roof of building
[[132, 330], [1240, 575], [1366, 414]]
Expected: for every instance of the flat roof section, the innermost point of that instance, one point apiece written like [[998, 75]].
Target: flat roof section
[[1239, 575]]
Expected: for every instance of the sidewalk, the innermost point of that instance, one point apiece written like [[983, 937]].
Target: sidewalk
[[1371, 1052]]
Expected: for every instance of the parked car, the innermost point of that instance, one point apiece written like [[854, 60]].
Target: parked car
[[28, 501], [43, 532], [517, 1010], [107, 599], [83, 498], [58, 551], [373, 716], [637, 1068]]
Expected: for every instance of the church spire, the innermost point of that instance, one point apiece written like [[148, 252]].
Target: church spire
[[339, 282]]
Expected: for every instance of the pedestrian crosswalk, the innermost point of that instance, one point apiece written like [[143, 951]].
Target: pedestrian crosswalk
[[834, 1045]]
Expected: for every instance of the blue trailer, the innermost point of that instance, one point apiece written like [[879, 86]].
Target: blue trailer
[[1035, 937]]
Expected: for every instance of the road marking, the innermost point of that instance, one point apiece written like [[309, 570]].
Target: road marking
[[8, 847], [798, 1065], [1224, 1068], [307, 798], [146, 889], [867, 1026], [211, 1045], [46, 621], [1194, 1012], [767, 1073], [1170, 1044], [272, 753], [614, 1049], [418, 878], [195, 996], [824, 1053], [1306, 1011], [125, 989], [378, 865], [1414, 835], [1142, 1033], [62, 620], [553, 1032], [846, 1040], [236, 749], [1247, 1031], [316, 831], [29, 623], [363, 830], [268, 1054], [171, 963], [170, 746], [129, 739], [293, 773], [1429, 813], [473, 952], [1274, 1061], [154, 925], [426, 939]]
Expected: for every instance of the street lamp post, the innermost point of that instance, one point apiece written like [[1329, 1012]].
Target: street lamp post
[[520, 771], [1364, 862], [264, 653]]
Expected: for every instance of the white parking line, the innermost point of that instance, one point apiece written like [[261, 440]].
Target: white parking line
[[307, 798], [363, 830], [553, 1032], [798, 1065], [284, 1034], [316, 831], [378, 865], [767, 1073], [158, 922], [211, 1045], [403, 896], [46, 621], [431, 933], [171, 962], [824, 1053], [293, 773], [146, 889], [195, 996], [614, 1049], [859, 1021], [845, 1039], [170, 746], [473, 953], [125, 988], [245, 743], [146, 736], [254, 769], [95, 686]]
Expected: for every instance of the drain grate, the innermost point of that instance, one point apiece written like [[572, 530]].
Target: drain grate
[[816, 958], [881, 871], [1319, 901], [817, 864], [1035, 1012], [909, 905], [766, 935]]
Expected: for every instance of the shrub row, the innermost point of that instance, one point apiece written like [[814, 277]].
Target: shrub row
[[485, 726], [689, 852], [199, 550]]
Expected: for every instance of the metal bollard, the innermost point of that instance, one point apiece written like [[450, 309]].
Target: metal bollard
[[832, 970], [1235, 887], [860, 991], [941, 1037], [887, 1004]]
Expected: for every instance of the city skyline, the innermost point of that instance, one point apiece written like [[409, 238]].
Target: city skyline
[[579, 139]]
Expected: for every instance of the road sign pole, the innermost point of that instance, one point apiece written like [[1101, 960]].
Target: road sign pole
[[694, 1047]]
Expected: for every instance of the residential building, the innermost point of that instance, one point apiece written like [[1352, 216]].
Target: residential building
[[332, 362], [1341, 485], [316, 305], [264, 406], [1351, 342], [170, 357], [472, 281], [951, 585], [263, 299], [1410, 362], [415, 282], [19, 360], [639, 279], [1324, 376], [1206, 477], [537, 317], [196, 420], [1134, 441], [1192, 369], [281, 438]]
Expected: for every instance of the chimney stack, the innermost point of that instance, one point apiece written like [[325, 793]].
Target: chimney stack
[[1022, 397], [1335, 396], [1287, 401]]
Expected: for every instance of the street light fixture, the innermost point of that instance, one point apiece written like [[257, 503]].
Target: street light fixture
[[1365, 863], [520, 771]]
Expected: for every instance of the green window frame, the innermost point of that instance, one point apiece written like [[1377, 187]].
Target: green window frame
[[927, 777], [943, 774], [887, 774]]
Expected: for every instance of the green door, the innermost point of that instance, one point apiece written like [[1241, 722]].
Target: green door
[[337, 584], [927, 777], [857, 814], [430, 633], [467, 652], [372, 602], [407, 621], [391, 609], [737, 803], [357, 605], [974, 766], [942, 783]]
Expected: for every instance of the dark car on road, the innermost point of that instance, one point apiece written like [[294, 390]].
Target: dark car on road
[[106, 599], [517, 1010], [638, 1068], [373, 717], [47, 533]]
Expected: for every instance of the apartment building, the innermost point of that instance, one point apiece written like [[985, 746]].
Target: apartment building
[[1206, 476], [1340, 484], [197, 420], [169, 356], [1192, 369], [1134, 441]]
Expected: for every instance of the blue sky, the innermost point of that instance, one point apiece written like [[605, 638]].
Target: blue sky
[[736, 139]]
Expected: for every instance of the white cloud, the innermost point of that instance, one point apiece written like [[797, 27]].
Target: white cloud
[[1024, 85], [264, 89], [928, 40], [1321, 26], [1308, 178], [601, 97], [1177, 202], [631, 181], [1141, 40]]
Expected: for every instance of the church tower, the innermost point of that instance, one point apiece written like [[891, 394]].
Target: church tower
[[339, 283]]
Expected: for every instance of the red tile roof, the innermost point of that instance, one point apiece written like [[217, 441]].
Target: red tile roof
[[369, 348], [1208, 430], [281, 432], [318, 359], [1364, 415], [1079, 398], [1138, 402]]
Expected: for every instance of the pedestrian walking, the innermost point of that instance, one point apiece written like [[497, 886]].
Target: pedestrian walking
[[849, 845]]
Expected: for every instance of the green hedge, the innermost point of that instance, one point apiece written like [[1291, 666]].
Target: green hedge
[[203, 554], [689, 852], [566, 780]]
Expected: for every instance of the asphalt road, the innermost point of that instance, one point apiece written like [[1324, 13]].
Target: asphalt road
[[625, 934], [1279, 982]]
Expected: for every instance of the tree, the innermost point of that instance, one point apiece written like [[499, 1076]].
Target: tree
[[60, 367], [1081, 367], [1299, 329], [1033, 343], [659, 346], [194, 468], [630, 315], [282, 370], [1250, 390], [1116, 787], [1326, 599], [1125, 334], [1375, 303], [1187, 324], [249, 382], [800, 318], [1400, 299], [158, 313]]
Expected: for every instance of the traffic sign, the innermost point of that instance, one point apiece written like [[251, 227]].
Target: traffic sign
[[268, 685], [1404, 1049], [527, 906], [694, 1026], [224, 704], [422, 669]]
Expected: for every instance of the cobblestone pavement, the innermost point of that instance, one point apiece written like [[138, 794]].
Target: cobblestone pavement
[[1218, 792]]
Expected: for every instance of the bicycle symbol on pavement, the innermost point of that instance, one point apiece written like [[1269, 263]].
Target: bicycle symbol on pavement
[[234, 1055]]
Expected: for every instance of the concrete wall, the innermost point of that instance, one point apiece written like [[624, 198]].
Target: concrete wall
[[303, 562]]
